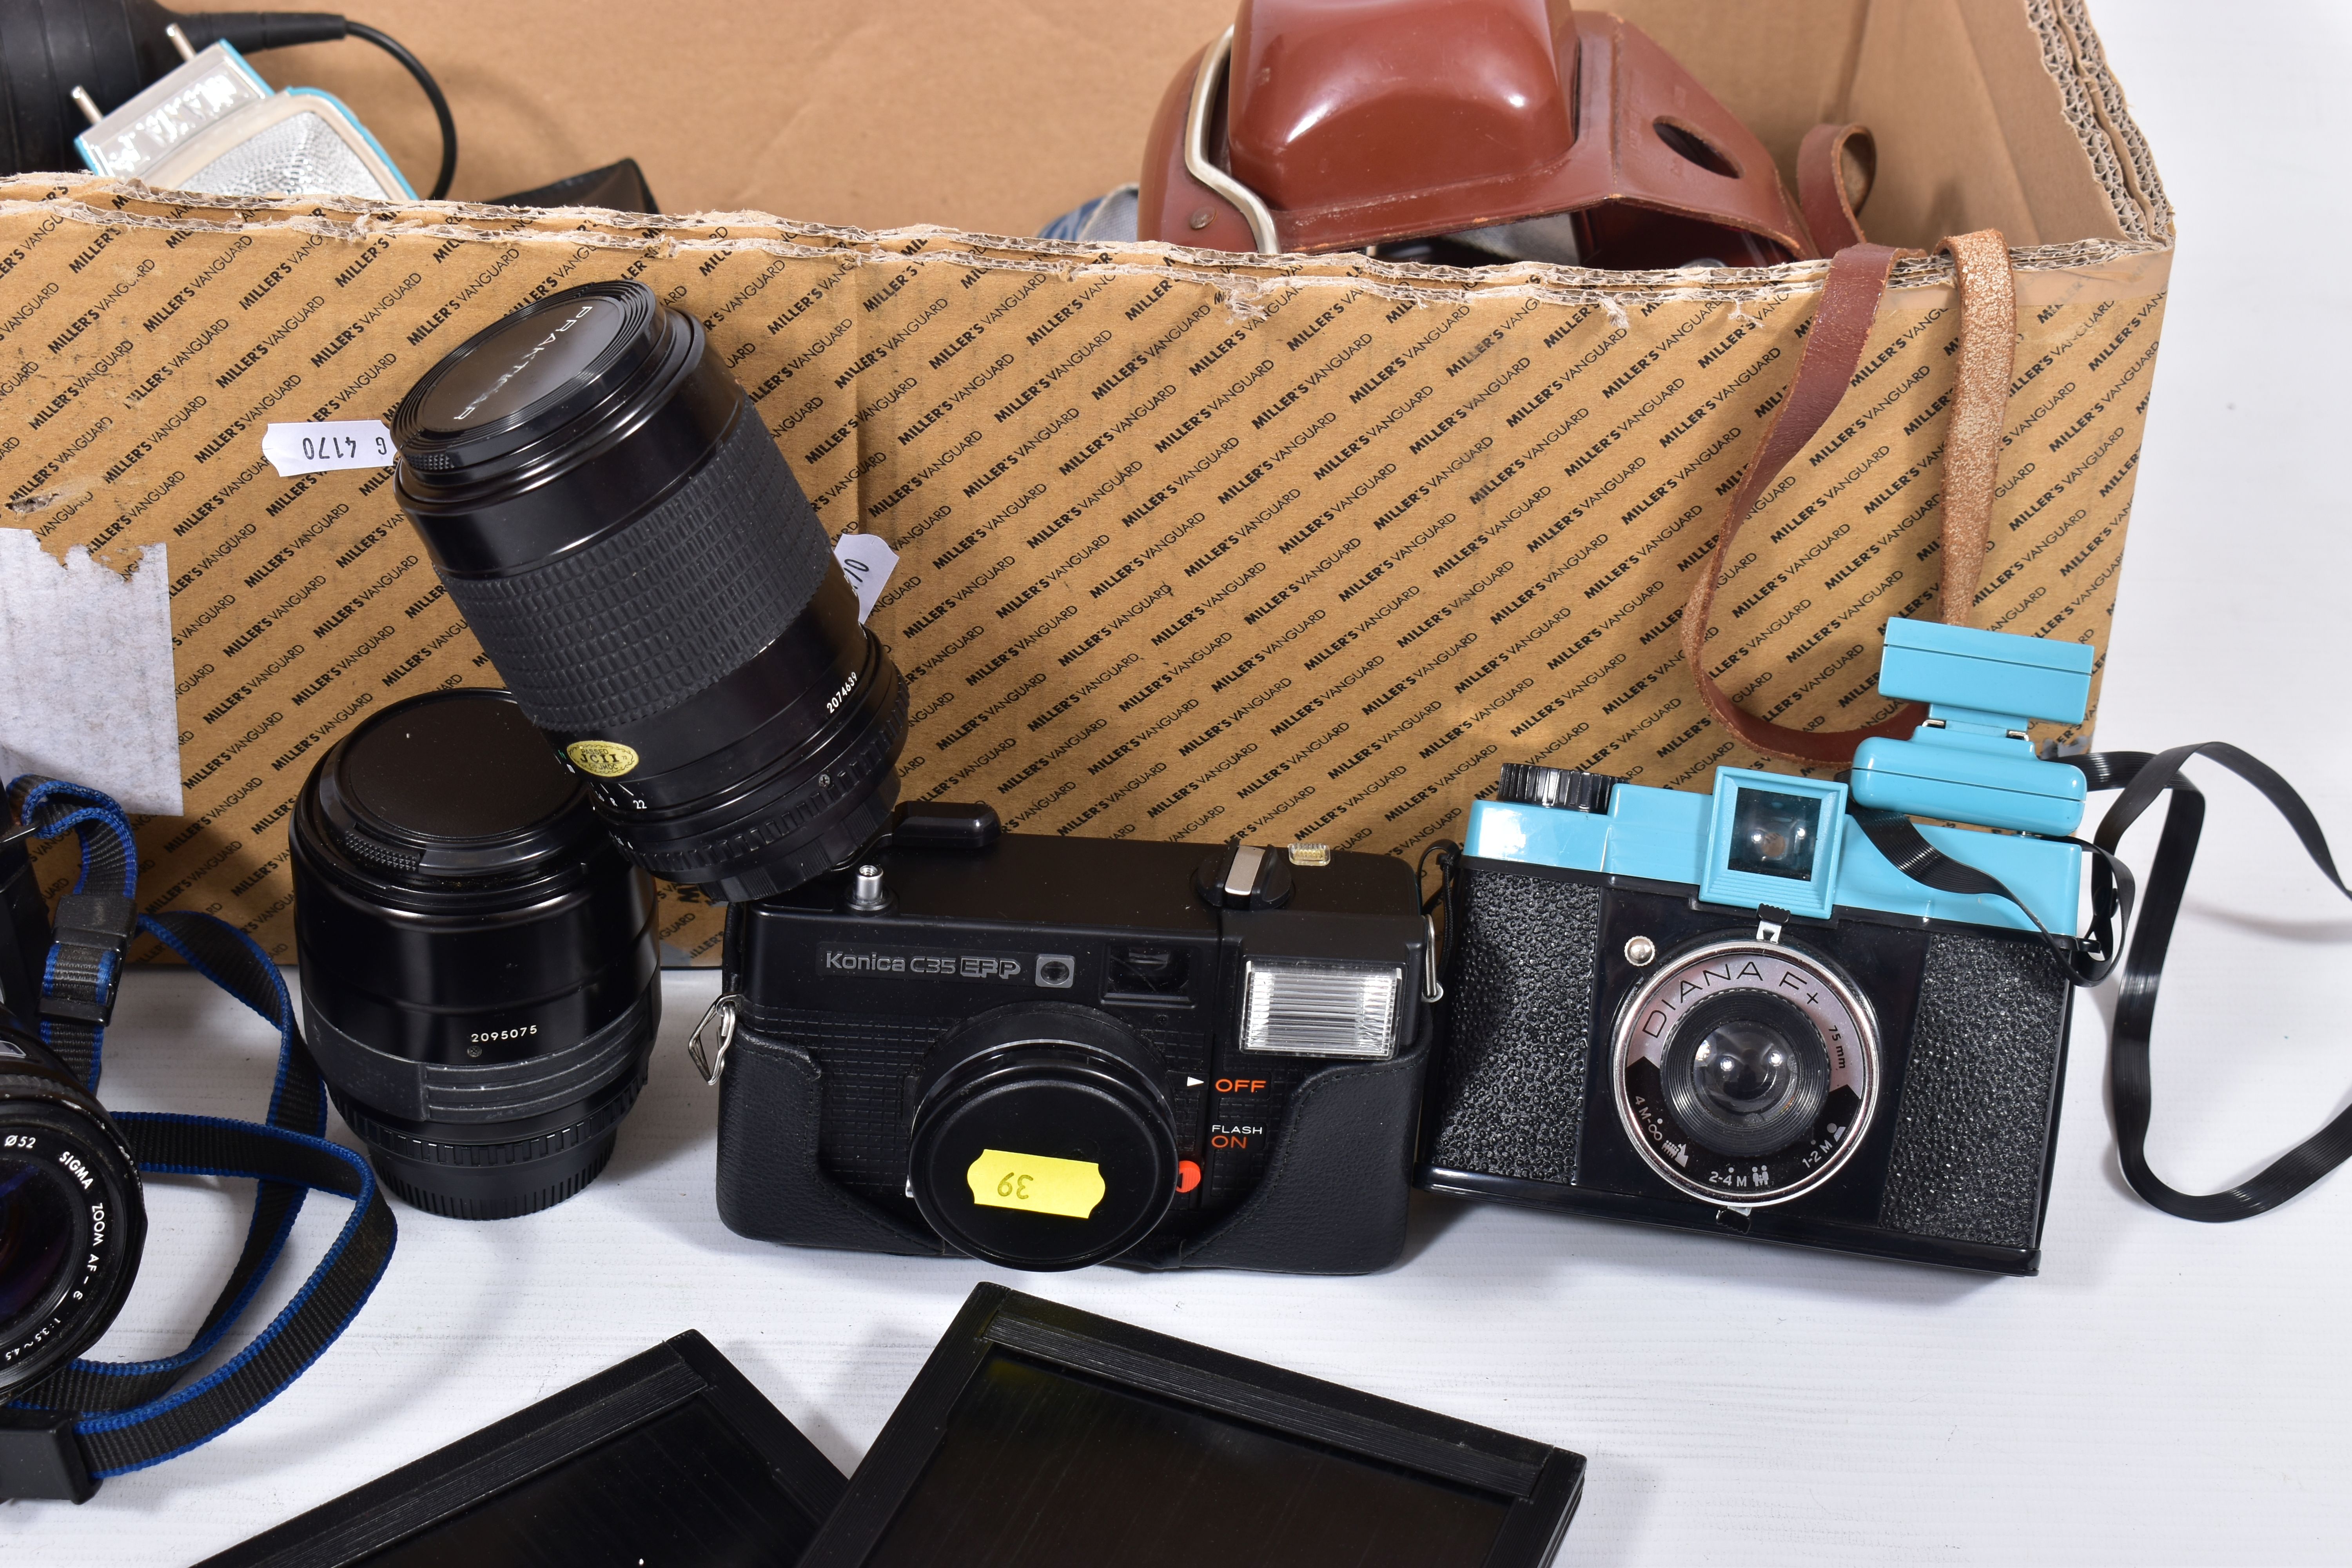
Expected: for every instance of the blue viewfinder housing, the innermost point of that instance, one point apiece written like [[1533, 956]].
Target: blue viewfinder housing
[[1771, 840]]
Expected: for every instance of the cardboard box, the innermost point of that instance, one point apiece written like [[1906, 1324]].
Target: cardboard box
[[1192, 545]]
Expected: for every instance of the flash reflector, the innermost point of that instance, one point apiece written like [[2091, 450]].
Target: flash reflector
[[1295, 1008], [213, 125]]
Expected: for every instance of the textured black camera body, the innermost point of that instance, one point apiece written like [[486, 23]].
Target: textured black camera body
[[1787, 1008], [1235, 1086], [1971, 1025]]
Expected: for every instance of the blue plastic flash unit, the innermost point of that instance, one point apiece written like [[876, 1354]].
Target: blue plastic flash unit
[[1971, 761]]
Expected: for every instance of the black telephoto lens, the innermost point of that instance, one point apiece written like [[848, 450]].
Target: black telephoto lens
[[71, 1217], [604, 504], [480, 980]]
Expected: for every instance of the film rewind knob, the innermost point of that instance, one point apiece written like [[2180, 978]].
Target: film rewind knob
[[1566, 789]]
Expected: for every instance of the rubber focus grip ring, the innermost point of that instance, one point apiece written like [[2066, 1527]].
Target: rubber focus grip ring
[[638, 621]]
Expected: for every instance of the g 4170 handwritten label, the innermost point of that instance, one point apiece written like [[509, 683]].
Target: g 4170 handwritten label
[[326, 444]]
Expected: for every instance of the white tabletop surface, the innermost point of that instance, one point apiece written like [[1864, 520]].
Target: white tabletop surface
[[2164, 1392]]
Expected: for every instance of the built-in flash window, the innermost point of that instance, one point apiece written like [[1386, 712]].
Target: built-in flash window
[[1295, 1007]]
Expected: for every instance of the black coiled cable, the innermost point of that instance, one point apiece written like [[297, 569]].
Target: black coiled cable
[[416, 68]]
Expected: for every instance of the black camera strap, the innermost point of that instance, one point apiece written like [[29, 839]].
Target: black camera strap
[[92, 926], [111, 1417], [2089, 959], [2142, 776]]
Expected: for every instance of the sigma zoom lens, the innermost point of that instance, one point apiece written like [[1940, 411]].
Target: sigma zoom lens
[[604, 504], [72, 1218], [480, 980]]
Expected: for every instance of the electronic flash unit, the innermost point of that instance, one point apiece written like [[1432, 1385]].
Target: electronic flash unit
[[213, 125]]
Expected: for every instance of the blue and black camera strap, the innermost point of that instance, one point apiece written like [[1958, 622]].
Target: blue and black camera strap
[[2143, 777], [125, 1415]]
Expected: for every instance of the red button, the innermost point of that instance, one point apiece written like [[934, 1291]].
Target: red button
[[1188, 1175]]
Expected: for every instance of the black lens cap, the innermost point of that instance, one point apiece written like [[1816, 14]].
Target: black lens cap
[[531, 375], [453, 783], [1044, 1144]]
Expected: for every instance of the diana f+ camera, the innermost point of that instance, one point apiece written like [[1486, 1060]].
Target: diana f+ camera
[[1048, 1052], [1735, 1013]]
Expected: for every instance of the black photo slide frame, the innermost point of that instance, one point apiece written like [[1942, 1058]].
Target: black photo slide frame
[[671, 1457], [1038, 1435]]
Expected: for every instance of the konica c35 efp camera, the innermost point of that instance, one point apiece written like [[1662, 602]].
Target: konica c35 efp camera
[[1735, 1013], [1045, 1052]]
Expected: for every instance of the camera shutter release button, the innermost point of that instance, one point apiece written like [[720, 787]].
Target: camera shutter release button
[[1188, 1175]]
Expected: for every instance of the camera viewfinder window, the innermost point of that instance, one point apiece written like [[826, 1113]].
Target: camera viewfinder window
[[1774, 835], [1042, 1468]]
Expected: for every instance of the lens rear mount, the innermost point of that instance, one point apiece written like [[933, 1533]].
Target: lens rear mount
[[792, 773], [524, 1167]]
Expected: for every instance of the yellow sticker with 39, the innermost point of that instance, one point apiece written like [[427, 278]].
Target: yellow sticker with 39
[[1037, 1183]]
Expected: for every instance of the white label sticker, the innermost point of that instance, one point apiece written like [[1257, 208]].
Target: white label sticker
[[325, 444], [867, 562]]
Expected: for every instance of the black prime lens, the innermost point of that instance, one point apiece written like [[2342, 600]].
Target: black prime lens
[[479, 979], [71, 1216], [604, 504]]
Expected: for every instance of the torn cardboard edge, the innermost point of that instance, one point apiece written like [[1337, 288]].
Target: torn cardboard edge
[[129, 203]]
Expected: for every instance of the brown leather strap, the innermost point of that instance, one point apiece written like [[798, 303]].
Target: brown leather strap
[[1840, 327], [1833, 160], [1972, 439]]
